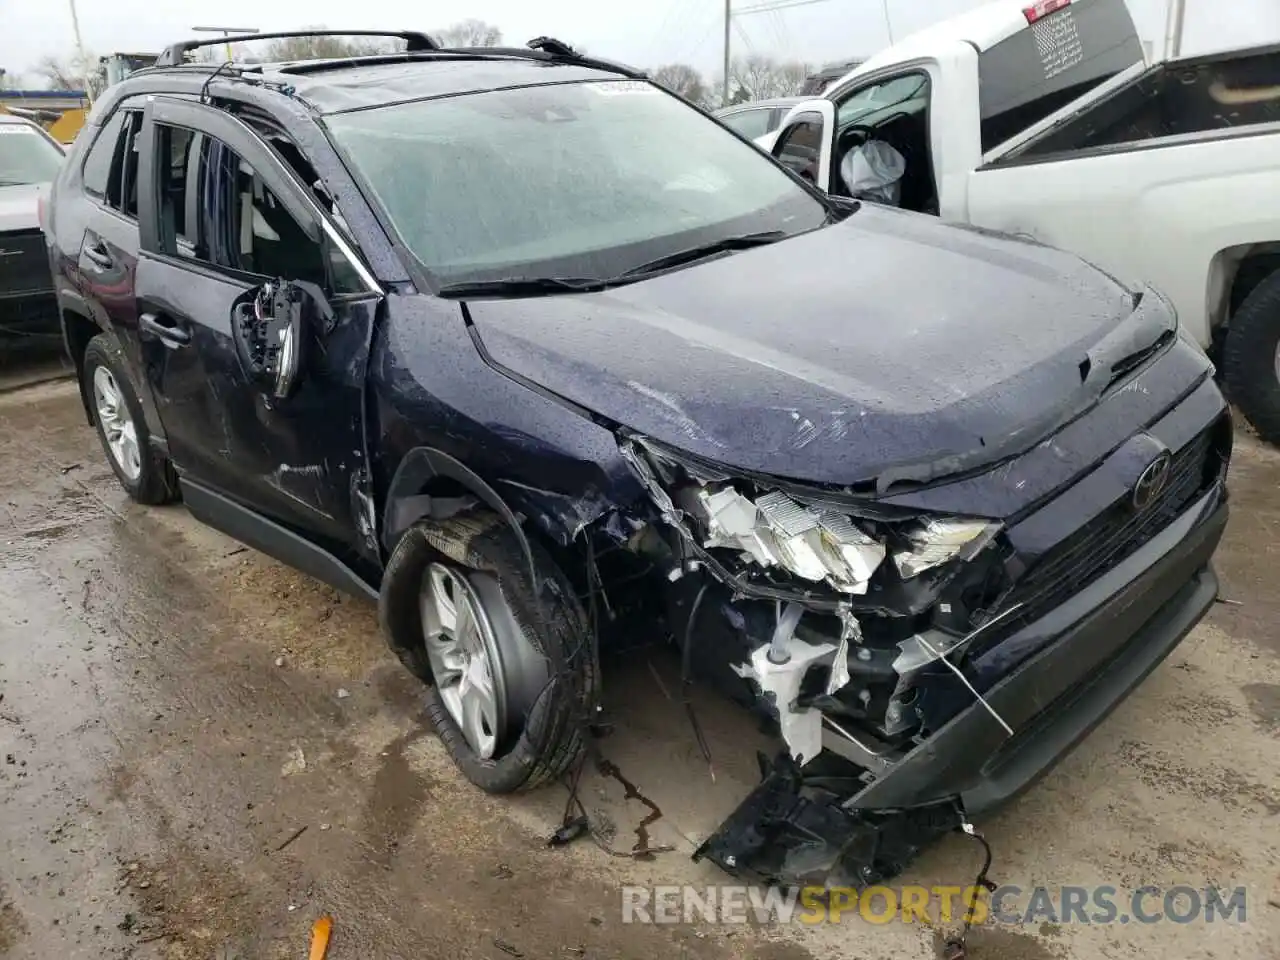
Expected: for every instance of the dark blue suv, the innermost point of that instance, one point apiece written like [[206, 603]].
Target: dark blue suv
[[545, 360]]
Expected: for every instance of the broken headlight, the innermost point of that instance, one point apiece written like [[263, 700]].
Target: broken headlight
[[817, 543], [775, 530], [934, 542]]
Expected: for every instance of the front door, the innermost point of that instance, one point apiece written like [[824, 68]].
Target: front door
[[221, 216]]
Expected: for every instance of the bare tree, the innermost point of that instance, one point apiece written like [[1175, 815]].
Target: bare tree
[[60, 73], [469, 33], [323, 48], [684, 80], [759, 77]]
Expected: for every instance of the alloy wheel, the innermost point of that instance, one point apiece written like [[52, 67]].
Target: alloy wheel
[[117, 425], [463, 654]]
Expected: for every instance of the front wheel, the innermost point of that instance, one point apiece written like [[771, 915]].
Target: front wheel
[[511, 680], [1251, 358], [145, 474]]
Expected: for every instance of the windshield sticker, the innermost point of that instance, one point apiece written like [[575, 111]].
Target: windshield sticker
[[11, 128], [1058, 43], [616, 88]]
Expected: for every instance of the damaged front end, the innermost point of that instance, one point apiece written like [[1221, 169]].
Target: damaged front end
[[833, 619]]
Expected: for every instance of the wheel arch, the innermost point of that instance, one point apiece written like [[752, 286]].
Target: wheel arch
[[428, 483], [1234, 273], [78, 328]]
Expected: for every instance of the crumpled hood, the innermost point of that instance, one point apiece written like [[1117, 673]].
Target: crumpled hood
[[887, 344], [18, 206]]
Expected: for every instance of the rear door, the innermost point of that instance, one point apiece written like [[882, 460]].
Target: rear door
[[108, 247], [222, 215]]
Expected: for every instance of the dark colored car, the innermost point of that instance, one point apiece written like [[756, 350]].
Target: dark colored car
[[457, 330], [29, 161]]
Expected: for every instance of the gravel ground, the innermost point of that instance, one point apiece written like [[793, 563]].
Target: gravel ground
[[174, 709]]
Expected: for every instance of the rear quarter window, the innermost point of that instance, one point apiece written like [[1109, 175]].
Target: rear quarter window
[[1053, 61], [97, 165]]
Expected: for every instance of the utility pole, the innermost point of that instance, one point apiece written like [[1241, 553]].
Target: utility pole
[[1173, 29], [82, 61], [728, 22]]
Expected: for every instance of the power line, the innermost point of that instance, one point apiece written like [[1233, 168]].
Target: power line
[[766, 7], [774, 5]]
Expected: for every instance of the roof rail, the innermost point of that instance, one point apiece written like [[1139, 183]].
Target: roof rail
[[176, 54], [542, 49]]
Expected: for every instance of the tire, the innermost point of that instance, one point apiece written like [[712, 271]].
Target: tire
[[1249, 358], [154, 481], [552, 690]]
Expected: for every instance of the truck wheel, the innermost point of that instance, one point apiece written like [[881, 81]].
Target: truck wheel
[[147, 476], [1251, 358], [459, 610]]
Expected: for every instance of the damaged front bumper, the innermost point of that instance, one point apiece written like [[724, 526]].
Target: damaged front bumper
[[845, 819]]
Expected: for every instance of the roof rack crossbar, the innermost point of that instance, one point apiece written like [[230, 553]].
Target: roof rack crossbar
[[175, 54], [542, 49]]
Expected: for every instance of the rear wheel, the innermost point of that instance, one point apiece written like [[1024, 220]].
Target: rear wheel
[[1251, 358], [510, 674], [145, 474]]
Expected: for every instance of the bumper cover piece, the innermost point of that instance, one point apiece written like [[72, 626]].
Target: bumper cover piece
[[796, 828], [785, 835]]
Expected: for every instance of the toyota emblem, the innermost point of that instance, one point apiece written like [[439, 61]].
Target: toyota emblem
[[1152, 481]]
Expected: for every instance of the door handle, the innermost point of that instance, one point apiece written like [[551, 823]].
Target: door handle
[[164, 330], [99, 256]]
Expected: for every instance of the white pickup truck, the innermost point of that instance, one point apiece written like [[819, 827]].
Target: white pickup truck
[[1045, 121]]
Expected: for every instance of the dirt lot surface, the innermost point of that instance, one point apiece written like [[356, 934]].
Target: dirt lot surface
[[174, 709]]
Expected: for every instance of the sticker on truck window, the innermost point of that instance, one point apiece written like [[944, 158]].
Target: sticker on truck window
[[1058, 44], [12, 128], [1063, 54]]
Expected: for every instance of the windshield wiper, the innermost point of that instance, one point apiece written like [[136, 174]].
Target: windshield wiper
[[14, 183], [522, 287], [740, 241]]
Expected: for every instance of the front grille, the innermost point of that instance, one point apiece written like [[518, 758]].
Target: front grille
[[24, 266], [1116, 534]]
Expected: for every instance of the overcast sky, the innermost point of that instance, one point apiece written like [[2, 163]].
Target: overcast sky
[[646, 33]]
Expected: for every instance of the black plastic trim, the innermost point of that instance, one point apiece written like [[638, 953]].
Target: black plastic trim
[[255, 530]]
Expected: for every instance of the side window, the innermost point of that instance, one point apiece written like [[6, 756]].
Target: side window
[[97, 165], [122, 191], [111, 168], [900, 91], [242, 226], [749, 123], [800, 145], [175, 169]]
